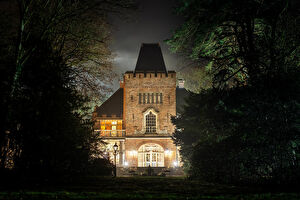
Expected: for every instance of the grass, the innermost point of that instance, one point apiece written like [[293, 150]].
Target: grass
[[139, 188]]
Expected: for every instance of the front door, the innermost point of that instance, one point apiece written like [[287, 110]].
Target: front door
[[151, 155]]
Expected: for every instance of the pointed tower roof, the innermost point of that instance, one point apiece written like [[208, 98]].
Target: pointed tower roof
[[150, 59]]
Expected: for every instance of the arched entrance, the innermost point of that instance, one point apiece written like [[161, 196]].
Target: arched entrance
[[151, 154]]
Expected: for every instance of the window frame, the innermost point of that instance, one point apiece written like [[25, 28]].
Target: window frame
[[145, 121]]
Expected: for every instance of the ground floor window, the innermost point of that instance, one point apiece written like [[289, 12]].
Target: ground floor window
[[151, 155]]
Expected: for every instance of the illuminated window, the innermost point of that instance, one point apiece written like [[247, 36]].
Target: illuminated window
[[102, 125], [151, 155], [113, 130], [150, 123]]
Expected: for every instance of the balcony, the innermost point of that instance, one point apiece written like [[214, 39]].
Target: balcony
[[111, 133]]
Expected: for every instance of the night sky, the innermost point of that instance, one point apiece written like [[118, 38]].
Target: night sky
[[153, 22]]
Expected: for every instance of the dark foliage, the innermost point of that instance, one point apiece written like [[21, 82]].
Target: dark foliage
[[44, 132], [50, 138], [241, 39], [245, 129], [245, 134]]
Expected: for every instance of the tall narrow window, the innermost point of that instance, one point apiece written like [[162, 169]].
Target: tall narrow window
[[152, 98], [161, 98], [144, 98], [150, 123], [114, 128], [140, 98], [148, 98], [156, 99]]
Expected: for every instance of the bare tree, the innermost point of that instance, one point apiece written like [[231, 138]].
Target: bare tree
[[77, 31]]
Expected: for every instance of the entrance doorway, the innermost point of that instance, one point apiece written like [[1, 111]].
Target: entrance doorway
[[151, 155]]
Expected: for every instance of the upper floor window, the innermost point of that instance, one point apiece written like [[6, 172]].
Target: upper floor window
[[144, 98], [150, 98], [150, 123], [140, 98]]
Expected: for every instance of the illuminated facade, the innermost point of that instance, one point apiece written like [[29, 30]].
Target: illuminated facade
[[137, 117]]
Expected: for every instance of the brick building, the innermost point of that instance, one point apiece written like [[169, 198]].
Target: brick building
[[137, 117]]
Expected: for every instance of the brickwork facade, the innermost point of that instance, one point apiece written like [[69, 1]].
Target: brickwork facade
[[137, 88]]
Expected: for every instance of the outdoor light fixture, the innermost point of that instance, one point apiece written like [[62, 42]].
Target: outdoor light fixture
[[167, 152], [175, 163], [115, 147], [115, 158]]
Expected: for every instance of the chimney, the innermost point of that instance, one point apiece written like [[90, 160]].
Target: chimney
[[180, 83], [121, 84]]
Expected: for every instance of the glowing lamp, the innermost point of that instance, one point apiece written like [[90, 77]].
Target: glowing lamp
[[115, 147], [175, 163], [167, 151]]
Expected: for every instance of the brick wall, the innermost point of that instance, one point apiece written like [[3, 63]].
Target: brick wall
[[149, 83]]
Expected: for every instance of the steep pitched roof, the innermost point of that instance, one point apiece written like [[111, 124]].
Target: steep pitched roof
[[112, 106], [150, 59]]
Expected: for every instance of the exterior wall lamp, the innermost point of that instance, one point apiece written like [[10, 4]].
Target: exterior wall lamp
[[168, 152], [175, 163]]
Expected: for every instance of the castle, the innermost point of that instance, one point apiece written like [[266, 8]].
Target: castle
[[137, 117]]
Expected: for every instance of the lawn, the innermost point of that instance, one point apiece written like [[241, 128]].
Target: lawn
[[139, 188]]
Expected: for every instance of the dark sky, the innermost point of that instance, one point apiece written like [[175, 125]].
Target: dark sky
[[154, 21]]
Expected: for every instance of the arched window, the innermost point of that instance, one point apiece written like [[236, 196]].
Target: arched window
[[151, 154], [150, 123]]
